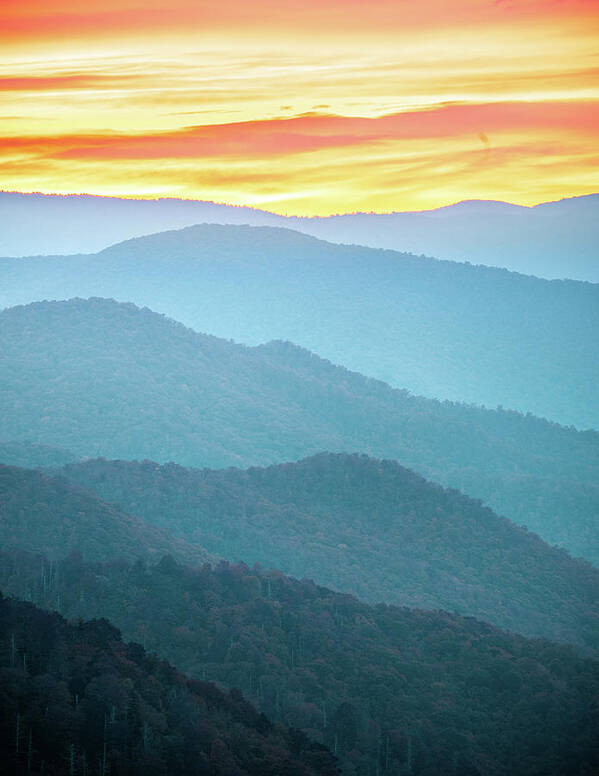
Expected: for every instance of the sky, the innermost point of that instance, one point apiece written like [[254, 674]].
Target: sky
[[306, 108]]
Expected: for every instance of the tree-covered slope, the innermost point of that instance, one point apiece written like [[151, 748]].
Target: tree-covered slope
[[107, 379], [75, 699], [393, 691], [367, 527], [31, 454], [440, 329], [50, 515]]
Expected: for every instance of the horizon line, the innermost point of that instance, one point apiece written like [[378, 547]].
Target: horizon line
[[135, 198]]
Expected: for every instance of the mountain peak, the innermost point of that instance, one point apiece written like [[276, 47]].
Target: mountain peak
[[471, 207]]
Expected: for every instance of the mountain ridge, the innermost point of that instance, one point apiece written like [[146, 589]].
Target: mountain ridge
[[163, 392], [213, 203], [368, 527], [439, 329], [387, 689], [77, 699], [47, 514], [555, 249]]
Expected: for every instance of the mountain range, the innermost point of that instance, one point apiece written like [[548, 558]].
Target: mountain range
[[398, 689], [438, 329], [366, 527], [384, 688], [379, 686], [550, 240], [101, 378], [203, 496]]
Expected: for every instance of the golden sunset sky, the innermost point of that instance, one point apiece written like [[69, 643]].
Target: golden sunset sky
[[312, 107]]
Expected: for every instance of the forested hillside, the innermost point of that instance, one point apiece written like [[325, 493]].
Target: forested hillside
[[31, 455], [75, 699], [106, 379], [390, 690], [366, 527], [440, 329], [49, 515], [308, 490]]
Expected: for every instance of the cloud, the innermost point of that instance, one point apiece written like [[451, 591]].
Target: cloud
[[314, 132], [60, 82], [30, 19], [334, 104]]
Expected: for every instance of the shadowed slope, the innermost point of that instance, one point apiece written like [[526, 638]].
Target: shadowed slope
[[367, 527], [76, 699], [390, 690]]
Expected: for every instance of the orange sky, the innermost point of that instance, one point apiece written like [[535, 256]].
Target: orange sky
[[311, 107]]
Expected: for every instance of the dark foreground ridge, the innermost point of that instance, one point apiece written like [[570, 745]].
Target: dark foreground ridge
[[76, 699], [391, 691]]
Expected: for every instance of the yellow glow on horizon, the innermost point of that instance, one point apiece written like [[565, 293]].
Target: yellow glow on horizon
[[66, 93]]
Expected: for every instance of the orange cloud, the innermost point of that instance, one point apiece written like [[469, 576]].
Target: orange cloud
[[315, 132], [59, 82], [35, 18], [426, 102]]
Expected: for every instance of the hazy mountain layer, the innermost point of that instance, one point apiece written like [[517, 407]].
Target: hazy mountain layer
[[31, 455], [552, 240], [390, 690], [49, 515], [367, 527], [107, 379], [74, 699], [87, 223], [439, 329]]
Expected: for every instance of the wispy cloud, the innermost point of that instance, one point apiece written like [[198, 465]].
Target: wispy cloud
[[318, 105], [314, 131], [63, 82]]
